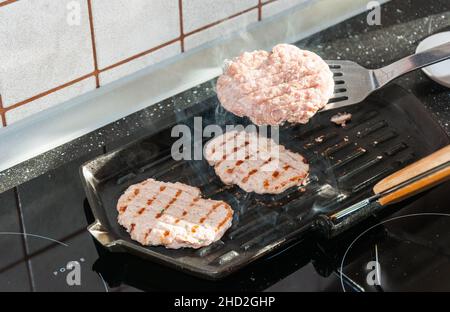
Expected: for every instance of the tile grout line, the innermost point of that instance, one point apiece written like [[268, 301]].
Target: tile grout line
[[259, 10], [180, 9], [2, 112], [131, 58], [42, 94], [7, 2], [94, 49], [220, 21], [24, 240], [265, 3], [176, 39]]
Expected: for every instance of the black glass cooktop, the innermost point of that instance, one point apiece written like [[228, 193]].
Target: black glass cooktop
[[411, 246], [408, 250]]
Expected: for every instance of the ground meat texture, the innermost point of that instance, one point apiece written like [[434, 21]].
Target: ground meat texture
[[288, 84], [255, 163], [172, 215]]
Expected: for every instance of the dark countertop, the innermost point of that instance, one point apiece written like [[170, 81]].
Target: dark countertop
[[44, 197]]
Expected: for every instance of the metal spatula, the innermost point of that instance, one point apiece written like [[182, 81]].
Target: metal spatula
[[353, 83]]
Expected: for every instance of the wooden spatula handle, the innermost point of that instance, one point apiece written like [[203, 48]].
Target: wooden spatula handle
[[439, 158]]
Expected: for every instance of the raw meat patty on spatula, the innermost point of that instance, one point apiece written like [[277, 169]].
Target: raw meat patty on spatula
[[287, 84]]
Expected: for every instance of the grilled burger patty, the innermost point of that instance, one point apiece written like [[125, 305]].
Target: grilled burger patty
[[255, 163], [172, 214], [288, 84]]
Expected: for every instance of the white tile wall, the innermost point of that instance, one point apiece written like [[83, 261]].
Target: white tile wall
[[50, 100], [39, 50], [124, 28], [221, 30], [198, 13], [279, 6], [139, 63]]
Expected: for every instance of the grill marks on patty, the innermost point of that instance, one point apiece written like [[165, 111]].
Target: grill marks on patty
[[169, 204], [213, 208], [172, 214], [260, 165]]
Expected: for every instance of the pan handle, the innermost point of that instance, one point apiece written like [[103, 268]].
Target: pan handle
[[417, 177], [97, 230]]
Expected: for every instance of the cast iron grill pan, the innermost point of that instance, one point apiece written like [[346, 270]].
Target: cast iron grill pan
[[388, 130]]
